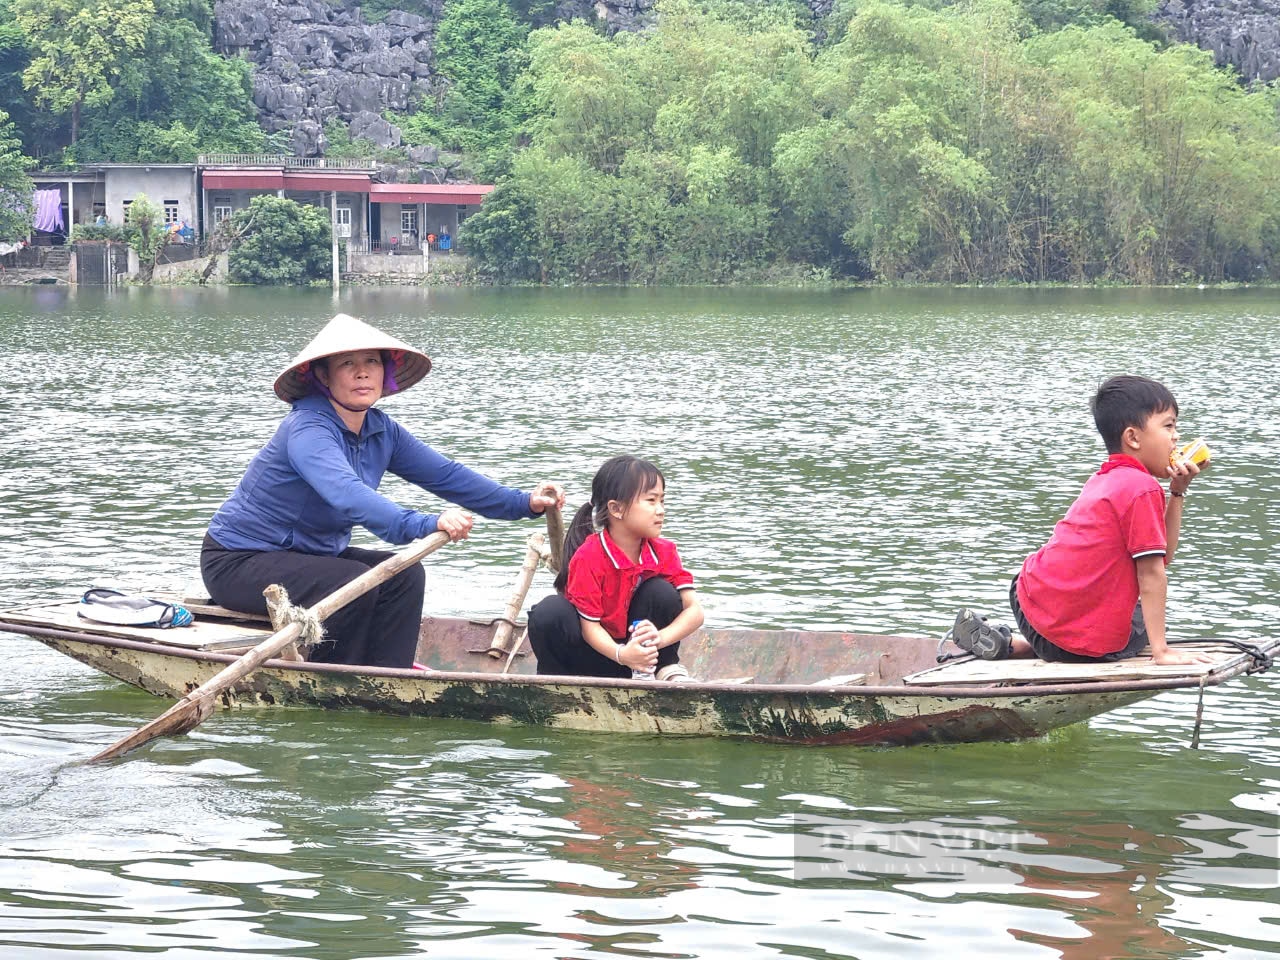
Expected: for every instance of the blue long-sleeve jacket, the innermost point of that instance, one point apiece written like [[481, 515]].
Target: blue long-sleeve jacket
[[315, 480]]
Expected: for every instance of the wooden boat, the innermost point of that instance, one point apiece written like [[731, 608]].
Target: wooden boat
[[788, 686]]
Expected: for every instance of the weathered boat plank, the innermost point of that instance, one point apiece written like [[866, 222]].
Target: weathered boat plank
[[201, 635], [807, 687], [771, 713], [985, 672]]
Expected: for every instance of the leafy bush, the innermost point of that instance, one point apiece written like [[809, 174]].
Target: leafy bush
[[281, 242], [90, 232], [15, 186], [341, 145]]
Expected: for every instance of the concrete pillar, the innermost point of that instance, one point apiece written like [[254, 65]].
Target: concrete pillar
[[333, 233]]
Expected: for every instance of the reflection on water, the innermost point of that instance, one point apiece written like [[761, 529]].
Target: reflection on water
[[858, 458]]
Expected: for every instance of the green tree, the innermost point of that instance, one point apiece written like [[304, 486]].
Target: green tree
[[176, 99], [479, 53], [651, 152], [79, 49], [916, 130], [144, 229], [15, 186], [933, 140], [37, 128], [501, 234], [1166, 169], [281, 242]]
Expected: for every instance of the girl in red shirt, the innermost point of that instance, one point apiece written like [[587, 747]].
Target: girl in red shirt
[[625, 600]]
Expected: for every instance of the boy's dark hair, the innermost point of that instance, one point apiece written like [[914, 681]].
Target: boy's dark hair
[[619, 478], [1128, 401]]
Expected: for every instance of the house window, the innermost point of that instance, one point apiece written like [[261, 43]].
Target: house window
[[171, 211], [408, 223], [342, 222], [221, 212], [124, 214]]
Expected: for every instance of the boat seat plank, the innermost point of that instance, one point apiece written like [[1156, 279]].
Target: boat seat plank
[[201, 635], [975, 671], [204, 607], [844, 680]]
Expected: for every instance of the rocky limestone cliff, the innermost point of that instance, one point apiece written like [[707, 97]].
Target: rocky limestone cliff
[[314, 62], [318, 60], [1244, 34]]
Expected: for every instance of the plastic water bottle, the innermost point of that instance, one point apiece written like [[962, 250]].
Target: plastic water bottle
[[638, 674]]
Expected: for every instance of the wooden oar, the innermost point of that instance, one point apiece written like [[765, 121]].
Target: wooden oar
[[192, 709], [511, 655], [498, 646], [501, 643], [555, 533]]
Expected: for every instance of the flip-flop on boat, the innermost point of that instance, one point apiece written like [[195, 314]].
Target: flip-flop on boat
[[786, 686]]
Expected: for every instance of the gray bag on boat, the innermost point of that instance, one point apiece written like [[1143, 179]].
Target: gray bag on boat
[[104, 605]]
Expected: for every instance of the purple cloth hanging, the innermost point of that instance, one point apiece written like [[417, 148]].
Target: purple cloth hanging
[[48, 210]]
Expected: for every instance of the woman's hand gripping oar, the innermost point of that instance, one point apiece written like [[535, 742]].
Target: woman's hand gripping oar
[[192, 709]]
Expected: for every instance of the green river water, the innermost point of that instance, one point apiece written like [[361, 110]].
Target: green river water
[[865, 459]]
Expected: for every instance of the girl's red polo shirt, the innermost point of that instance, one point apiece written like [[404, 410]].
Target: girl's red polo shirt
[[603, 579], [1080, 588]]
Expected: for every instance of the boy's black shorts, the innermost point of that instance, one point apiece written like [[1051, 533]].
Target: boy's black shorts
[[1046, 649]]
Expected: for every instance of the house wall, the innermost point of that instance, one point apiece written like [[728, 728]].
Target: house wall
[[239, 200], [158, 183], [433, 218], [86, 194], [412, 265], [441, 218]]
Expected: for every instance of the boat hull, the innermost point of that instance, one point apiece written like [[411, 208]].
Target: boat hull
[[784, 713]]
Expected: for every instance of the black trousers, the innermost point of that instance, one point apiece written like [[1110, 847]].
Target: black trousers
[[378, 629], [1049, 651], [555, 632]]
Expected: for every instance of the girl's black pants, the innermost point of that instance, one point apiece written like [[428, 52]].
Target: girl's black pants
[[555, 632]]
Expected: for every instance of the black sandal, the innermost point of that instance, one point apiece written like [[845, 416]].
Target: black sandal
[[973, 634]]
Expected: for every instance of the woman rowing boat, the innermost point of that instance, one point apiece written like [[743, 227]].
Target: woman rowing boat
[[289, 520]]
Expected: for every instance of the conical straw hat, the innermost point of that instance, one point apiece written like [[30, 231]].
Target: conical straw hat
[[340, 335]]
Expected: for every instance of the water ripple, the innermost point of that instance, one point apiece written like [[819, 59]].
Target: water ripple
[[848, 459]]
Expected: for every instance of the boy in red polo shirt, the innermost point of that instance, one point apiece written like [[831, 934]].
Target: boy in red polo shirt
[[1096, 591]]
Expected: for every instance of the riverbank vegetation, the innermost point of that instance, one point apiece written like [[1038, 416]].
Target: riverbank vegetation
[[976, 141], [959, 144], [15, 185]]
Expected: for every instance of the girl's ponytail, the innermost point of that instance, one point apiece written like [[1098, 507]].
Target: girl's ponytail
[[580, 528]]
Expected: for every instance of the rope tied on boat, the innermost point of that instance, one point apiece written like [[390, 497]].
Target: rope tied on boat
[[537, 542], [283, 613]]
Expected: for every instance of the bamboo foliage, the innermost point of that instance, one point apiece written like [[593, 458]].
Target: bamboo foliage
[[966, 143]]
